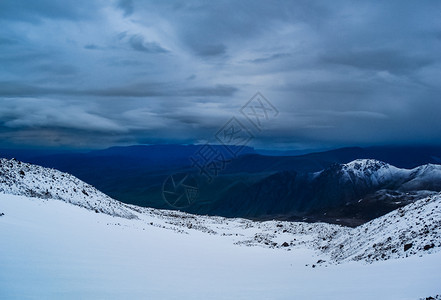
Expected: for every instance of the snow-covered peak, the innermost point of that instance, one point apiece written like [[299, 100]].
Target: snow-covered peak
[[25, 179], [376, 173], [365, 165], [371, 172], [370, 166]]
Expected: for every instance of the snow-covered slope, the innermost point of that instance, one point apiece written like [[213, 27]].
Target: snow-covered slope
[[424, 177], [411, 230], [25, 179], [53, 249]]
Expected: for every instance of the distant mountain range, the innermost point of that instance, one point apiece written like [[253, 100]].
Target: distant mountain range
[[351, 193], [327, 186]]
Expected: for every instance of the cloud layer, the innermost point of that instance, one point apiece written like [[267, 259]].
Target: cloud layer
[[100, 73]]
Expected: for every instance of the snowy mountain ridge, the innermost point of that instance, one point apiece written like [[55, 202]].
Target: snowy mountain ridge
[[375, 173], [18, 178]]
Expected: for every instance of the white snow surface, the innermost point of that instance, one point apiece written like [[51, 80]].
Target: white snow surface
[[52, 249]]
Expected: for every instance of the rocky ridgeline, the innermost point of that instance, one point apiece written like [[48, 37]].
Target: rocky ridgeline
[[25, 179], [414, 229]]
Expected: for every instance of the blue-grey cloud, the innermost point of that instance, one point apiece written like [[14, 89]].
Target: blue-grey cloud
[[379, 60], [91, 47], [270, 58], [158, 89], [137, 43], [35, 11], [340, 73], [126, 6], [7, 41], [211, 50]]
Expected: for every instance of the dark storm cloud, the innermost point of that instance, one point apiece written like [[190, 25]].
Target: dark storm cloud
[[13, 89], [126, 71], [91, 47], [335, 86], [211, 50], [58, 69], [137, 43], [270, 58], [10, 89], [161, 90], [379, 60], [219, 90], [126, 6], [6, 41], [35, 11]]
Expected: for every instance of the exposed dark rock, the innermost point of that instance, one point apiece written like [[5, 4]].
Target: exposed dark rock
[[427, 247]]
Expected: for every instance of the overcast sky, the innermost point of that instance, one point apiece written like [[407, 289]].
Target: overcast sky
[[87, 74]]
